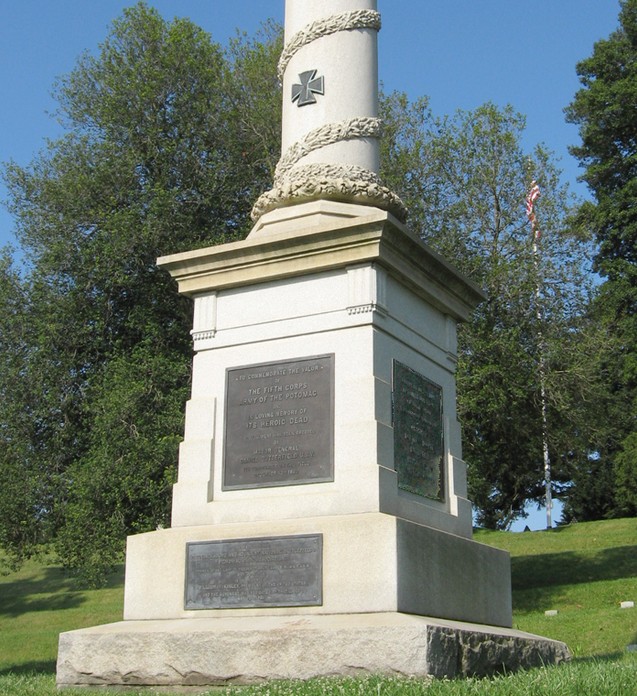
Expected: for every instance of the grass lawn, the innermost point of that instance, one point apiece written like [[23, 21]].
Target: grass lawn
[[37, 603], [583, 571]]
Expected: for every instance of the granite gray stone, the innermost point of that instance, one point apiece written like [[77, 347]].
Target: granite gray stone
[[247, 650]]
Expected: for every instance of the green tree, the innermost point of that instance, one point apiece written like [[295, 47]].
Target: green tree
[[603, 108], [21, 490], [164, 151], [169, 141], [465, 178]]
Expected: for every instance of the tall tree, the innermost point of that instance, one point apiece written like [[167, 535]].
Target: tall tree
[[21, 495], [167, 147], [465, 178], [164, 151], [604, 110]]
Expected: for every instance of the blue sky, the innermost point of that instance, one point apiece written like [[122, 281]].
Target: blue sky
[[461, 53]]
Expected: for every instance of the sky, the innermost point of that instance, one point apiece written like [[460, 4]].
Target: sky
[[460, 53]]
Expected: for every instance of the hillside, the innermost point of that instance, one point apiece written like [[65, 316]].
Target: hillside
[[583, 571]]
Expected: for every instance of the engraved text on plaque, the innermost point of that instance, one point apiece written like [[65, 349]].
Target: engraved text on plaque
[[418, 433], [265, 572], [279, 424]]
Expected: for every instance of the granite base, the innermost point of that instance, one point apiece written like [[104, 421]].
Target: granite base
[[247, 650]]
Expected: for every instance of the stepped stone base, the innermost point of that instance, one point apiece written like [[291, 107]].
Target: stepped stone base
[[245, 650]]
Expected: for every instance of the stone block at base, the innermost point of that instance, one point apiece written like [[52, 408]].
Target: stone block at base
[[244, 650], [372, 563]]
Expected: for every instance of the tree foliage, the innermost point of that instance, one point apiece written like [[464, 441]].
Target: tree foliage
[[169, 140], [604, 110], [465, 178], [21, 494], [164, 151]]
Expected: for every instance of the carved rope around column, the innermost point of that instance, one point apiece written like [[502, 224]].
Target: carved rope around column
[[362, 127], [346, 183]]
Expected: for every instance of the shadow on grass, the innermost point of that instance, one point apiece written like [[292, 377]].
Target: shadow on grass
[[28, 668], [51, 590], [569, 568], [593, 659]]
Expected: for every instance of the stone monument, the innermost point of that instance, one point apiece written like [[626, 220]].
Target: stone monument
[[320, 521]]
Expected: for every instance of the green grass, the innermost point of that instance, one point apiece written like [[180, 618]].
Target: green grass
[[583, 678], [37, 603], [583, 571], [589, 679]]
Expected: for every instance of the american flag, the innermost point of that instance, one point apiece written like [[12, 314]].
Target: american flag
[[532, 196]]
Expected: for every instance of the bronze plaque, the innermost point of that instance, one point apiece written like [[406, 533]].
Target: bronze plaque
[[248, 573], [418, 433], [279, 424]]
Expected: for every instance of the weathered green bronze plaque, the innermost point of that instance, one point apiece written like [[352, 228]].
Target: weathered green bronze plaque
[[418, 433]]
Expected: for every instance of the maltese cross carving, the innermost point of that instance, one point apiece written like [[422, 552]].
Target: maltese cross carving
[[310, 85]]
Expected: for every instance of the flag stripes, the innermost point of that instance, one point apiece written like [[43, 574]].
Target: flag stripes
[[532, 196]]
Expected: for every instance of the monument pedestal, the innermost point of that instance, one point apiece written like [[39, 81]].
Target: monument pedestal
[[242, 650], [370, 562], [320, 518]]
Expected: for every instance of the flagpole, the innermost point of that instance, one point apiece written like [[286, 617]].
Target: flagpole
[[534, 194]]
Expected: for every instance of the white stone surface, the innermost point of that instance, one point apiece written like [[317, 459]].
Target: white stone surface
[[374, 295], [334, 242], [348, 62], [366, 313], [303, 216], [237, 650], [363, 359], [371, 563]]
